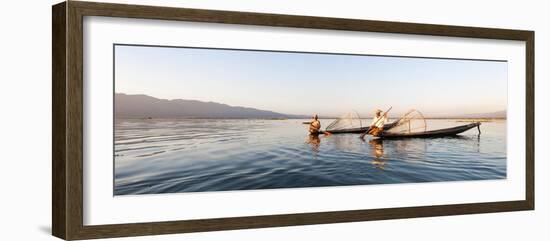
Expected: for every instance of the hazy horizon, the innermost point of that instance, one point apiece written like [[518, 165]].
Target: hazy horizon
[[306, 83]]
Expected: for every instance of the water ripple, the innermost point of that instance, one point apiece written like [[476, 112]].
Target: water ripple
[[170, 156]]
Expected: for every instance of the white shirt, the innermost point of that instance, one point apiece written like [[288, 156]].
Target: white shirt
[[377, 123]]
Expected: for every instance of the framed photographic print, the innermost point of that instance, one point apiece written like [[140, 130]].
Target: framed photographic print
[[170, 120]]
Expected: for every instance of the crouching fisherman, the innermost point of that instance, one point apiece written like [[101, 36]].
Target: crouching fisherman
[[315, 125]]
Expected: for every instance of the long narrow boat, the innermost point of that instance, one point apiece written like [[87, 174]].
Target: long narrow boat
[[354, 130], [431, 134]]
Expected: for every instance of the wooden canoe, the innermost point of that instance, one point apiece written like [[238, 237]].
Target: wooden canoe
[[356, 130], [431, 134]]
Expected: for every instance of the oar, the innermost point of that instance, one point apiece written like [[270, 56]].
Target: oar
[[375, 123]]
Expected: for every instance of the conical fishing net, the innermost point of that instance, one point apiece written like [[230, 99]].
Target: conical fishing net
[[413, 121], [350, 120]]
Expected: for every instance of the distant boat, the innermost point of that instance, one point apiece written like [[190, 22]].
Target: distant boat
[[430, 134]]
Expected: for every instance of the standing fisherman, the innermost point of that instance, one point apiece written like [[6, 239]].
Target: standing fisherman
[[377, 125]]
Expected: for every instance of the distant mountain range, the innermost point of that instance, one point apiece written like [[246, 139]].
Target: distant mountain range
[[144, 106]]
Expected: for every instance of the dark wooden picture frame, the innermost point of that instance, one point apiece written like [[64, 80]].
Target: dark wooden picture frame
[[67, 124]]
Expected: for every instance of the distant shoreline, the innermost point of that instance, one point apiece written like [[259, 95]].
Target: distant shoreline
[[147, 107]]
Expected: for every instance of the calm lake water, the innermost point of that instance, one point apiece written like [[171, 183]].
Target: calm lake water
[[190, 155]]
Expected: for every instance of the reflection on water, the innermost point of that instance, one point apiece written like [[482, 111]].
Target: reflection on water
[[314, 141], [170, 156], [378, 153]]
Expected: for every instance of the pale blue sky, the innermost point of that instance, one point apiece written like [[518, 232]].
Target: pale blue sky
[[302, 83]]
